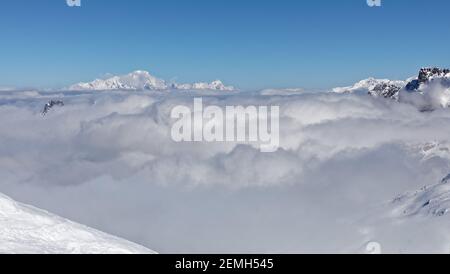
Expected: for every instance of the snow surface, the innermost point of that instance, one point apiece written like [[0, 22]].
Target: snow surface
[[27, 230]]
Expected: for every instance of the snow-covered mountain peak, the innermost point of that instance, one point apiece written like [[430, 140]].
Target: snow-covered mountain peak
[[430, 89], [363, 84], [375, 87], [428, 75], [25, 229], [143, 80], [140, 75], [137, 80], [214, 85]]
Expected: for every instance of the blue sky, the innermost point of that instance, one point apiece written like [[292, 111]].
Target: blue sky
[[251, 44]]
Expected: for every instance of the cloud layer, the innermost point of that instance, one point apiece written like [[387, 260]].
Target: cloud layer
[[106, 159]]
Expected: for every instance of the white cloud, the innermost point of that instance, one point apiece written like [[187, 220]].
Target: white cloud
[[433, 96], [106, 159]]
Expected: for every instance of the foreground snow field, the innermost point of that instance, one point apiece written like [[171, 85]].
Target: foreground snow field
[[25, 229]]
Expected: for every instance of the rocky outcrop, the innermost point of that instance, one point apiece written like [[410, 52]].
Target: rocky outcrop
[[51, 105], [375, 87], [428, 75], [386, 90]]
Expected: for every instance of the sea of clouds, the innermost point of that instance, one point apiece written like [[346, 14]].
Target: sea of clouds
[[107, 160]]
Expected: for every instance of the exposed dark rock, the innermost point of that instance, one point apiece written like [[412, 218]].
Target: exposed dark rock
[[426, 75], [50, 105], [386, 90]]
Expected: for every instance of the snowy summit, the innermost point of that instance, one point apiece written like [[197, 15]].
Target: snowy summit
[[428, 91], [375, 87], [143, 80]]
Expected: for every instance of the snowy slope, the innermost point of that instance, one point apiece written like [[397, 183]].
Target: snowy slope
[[143, 80], [414, 222], [431, 201], [24, 229]]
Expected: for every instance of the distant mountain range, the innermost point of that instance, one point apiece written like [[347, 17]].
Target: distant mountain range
[[376, 87], [391, 88], [143, 80], [428, 91]]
